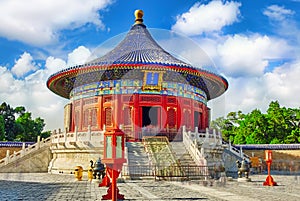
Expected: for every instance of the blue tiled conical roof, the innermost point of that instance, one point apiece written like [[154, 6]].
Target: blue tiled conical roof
[[139, 47], [137, 52]]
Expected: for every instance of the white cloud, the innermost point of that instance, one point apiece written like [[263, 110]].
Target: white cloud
[[249, 55], [7, 81], [276, 12], [78, 56], [285, 24], [246, 94], [39, 22], [23, 65], [54, 64], [32, 92], [249, 93], [211, 17], [282, 84]]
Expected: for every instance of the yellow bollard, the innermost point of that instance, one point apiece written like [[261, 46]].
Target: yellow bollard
[[90, 174], [78, 173]]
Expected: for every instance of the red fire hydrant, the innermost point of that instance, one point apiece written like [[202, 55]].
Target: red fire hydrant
[[269, 180]]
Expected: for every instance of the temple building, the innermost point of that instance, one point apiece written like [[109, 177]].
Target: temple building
[[139, 87]]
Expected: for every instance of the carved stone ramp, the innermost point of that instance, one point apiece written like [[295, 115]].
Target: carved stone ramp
[[35, 158], [137, 161]]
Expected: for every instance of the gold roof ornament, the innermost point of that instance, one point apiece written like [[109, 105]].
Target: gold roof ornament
[[138, 16]]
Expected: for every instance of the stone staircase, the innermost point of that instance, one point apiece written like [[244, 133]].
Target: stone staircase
[[139, 165], [162, 156], [182, 154], [137, 161], [34, 158], [193, 171]]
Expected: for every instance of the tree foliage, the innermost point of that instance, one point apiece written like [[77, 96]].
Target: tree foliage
[[278, 125], [16, 124]]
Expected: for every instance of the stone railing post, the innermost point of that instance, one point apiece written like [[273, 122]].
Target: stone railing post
[[53, 136], [23, 149], [202, 151], [76, 134], [66, 136], [220, 137], [241, 152], [89, 134], [38, 142], [206, 133], [215, 136], [7, 157], [126, 155], [190, 134]]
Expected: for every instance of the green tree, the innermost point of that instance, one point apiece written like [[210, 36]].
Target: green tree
[[226, 126], [2, 128], [19, 125], [28, 128], [278, 125], [8, 115], [276, 122], [256, 127]]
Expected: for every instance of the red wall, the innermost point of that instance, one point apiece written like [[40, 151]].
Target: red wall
[[127, 110]]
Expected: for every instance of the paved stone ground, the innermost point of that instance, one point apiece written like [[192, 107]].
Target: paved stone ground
[[43, 186]]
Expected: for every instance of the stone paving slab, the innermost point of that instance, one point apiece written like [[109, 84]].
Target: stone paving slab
[[44, 186]]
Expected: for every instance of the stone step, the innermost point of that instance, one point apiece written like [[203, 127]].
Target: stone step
[[137, 157], [182, 154]]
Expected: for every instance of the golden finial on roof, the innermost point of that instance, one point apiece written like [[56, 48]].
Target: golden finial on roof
[[139, 16]]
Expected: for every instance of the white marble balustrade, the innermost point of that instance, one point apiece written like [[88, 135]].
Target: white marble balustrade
[[24, 151], [78, 139]]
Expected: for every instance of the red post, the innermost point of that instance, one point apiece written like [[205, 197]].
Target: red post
[[269, 180], [113, 157], [113, 190]]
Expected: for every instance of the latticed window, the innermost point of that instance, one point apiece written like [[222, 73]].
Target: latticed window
[[90, 101], [187, 102], [127, 116], [85, 118], [172, 118], [77, 116], [108, 99], [187, 119], [150, 99], [77, 103], [94, 117], [108, 117], [127, 99], [172, 100]]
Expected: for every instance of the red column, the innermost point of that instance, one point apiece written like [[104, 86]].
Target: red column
[[80, 119], [180, 113], [205, 117], [100, 112], [118, 109], [192, 115], [72, 127], [164, 112], [136, 116]]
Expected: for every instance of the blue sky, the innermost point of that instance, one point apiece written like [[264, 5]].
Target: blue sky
[[253, 44]]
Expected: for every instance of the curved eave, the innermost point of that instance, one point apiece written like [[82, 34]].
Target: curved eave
[[58, 81]]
